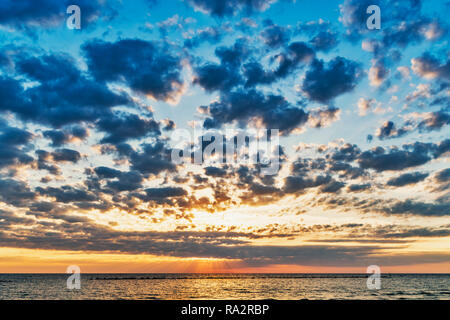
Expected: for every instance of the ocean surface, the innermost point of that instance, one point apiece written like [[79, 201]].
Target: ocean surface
[[224, 286]]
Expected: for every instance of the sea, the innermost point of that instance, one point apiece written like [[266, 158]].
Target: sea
[[223, 286]]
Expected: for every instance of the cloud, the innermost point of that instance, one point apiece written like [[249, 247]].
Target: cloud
[[443, 175], [294, 184], [12, 143], [378, 73], [66, 194], [395, 30], [154, 158], [144, 66], [275, 36], [241, 106], [366, 105], [167, 192], [395, 159], [418, 208], [121, 127], [221, 8], [225, 75], [359, 187], [425, 122], [388, 131], [411, 155], [332, 187], [61, 137], [323, 117], [16, 193], [238, 66], [324, 82], [429, 67], [324, 41], [62, 94], [63, 155], [434, 121], [118, 180], [353, 17], [215, 172], [87, 236], [407, 179], [211, 35], [296, 55], [49, 13]]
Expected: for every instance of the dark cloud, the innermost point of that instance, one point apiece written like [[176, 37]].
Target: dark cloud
[[215, 172], [411, 155], [358, 187], [407, 179], [389, 131], [144, 66], [14, 136], [354, 16], [226, 75], [168, 124], [15, 192], [63, 93], [323, 83], [413, 31], [167, 192], [415, 232], [66, 194], [427, 122], [443, 175], [61, 137], [68, 155], [294, 184], [87, 236], [428, 66], [275, 36], [221, 8], [324, 41], [242, 106], [49, 13], [217, 77], [323, 35], [154, 158], [211, 35], [58, 137], [412, 207], [107, 173], [238, 67], [296, 55], [332, 187], [124, 126], [12, 142], [394, 31], [434, 121], [381, 160], [347, 152], [44, 162], [118, 180]]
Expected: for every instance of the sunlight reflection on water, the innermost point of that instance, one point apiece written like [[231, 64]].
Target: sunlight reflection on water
[[224, 286]]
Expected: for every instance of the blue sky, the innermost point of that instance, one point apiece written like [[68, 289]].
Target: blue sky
[[86, 117]]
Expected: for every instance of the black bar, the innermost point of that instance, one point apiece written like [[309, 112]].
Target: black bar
[[223, 309]]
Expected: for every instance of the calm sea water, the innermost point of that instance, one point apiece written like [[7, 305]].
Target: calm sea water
[[224, 286]]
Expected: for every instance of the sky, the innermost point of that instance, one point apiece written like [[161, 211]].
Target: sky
[[88, 116]]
